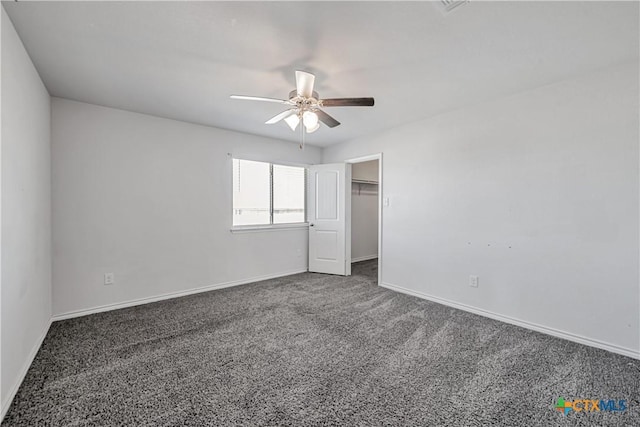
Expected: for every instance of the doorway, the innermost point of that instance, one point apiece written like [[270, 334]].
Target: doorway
[[366, 211]]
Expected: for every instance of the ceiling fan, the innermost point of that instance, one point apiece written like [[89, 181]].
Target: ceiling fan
[[306, 106]]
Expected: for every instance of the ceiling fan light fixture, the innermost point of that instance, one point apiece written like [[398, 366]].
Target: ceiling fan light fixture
[[310, 119], [312, 129], [292, 121]]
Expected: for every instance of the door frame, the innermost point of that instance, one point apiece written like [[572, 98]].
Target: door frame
[[378, 157]]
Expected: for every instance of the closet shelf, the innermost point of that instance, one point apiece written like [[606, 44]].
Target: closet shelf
[[371, 186]]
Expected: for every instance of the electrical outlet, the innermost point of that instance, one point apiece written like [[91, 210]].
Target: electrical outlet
[[473, 281], [109, 278]]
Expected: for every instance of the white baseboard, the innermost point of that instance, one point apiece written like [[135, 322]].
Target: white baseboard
[[522, 323], [23, 372], [364, 258], [147, 300]]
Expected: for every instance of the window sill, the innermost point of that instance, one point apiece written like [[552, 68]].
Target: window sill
[[272, 227]]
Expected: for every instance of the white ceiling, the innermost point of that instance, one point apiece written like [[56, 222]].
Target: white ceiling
[[182, 60]]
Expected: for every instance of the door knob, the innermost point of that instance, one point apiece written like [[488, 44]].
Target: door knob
[[310, 225]]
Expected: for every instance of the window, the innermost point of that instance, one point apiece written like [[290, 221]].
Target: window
[[265, 194]]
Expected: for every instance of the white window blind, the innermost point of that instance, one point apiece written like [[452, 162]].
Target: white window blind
[[266, 193]]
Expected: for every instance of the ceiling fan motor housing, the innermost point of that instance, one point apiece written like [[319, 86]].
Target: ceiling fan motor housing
[[294, 94]]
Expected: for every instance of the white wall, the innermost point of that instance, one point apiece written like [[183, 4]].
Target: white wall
[[149, 199], [26, 209], [537, 194], [364, 212]]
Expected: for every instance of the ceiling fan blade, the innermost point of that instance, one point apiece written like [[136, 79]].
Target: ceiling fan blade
[[327, 119], [259, 98], [304, 83], [348, 102], [283, 115]]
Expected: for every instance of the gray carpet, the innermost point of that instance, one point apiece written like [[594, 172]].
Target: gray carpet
[[313, 349]]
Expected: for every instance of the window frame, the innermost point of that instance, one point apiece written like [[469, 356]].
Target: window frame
[[271, 226]]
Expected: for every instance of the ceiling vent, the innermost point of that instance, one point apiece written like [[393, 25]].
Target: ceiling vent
[[448, 6]]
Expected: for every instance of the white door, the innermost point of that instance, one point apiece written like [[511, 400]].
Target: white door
[[329, 215]]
